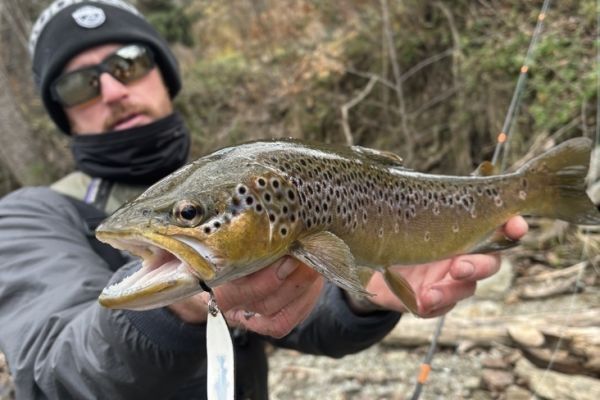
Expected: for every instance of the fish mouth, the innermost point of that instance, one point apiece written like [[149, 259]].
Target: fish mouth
[[172, 269]]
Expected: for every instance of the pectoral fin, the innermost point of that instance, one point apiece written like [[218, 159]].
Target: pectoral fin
[[495, 242], [401, 289], [330, 256]]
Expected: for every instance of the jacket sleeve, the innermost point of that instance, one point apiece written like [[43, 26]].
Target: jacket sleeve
[[59, 343], [334, 330]]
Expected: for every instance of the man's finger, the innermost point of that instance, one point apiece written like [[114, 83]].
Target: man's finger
[[256, 286], [293, 287], [474, 267], [444, 294], [282, 322], [516, 227]]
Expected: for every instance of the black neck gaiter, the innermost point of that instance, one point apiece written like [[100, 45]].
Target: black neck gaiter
[[140, 155]]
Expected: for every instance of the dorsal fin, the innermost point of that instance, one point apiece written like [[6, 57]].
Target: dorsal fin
[[486, 168], [381, 156]]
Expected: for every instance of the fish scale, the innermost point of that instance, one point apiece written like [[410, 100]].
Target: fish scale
[[344, 211], [350, 197]]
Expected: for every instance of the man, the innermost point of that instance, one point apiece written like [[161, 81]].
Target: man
[[107, 79]]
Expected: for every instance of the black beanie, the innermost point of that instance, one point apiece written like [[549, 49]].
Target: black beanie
[[68, 27]]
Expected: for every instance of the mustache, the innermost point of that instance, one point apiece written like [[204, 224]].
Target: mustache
[[122, 111]]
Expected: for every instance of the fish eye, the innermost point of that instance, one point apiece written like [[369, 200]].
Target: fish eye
[[188, 213]]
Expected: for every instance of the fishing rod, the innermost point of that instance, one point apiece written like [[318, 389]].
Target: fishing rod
[[504, 135], [502, 141]]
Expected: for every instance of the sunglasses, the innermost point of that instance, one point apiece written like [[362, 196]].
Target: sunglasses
[[127, 64]]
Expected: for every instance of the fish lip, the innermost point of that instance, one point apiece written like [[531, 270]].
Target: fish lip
[[139, 243], [165, 277]]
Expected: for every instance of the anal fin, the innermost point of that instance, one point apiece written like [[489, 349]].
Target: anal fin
[[401, 289], [331, 257], [495, 242]]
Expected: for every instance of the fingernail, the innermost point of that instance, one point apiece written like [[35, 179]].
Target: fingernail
[[286, 268], [464, 270], [435, 298]]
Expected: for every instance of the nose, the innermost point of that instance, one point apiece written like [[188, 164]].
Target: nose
[[111, 89]]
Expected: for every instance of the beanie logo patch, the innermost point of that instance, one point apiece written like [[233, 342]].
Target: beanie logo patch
[[89, 17]]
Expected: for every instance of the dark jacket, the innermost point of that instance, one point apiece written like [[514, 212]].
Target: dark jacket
[[61, 344]]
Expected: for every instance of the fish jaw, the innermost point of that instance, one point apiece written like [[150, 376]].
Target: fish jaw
[[166, 276]]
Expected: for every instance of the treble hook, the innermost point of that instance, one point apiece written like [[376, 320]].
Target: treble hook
[[213, 309]]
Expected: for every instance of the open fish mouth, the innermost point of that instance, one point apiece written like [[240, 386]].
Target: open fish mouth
[[172, 269]]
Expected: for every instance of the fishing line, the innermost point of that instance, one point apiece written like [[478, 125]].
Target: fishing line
[[502, 142]]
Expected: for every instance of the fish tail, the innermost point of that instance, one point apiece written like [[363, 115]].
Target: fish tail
[[557, 178]]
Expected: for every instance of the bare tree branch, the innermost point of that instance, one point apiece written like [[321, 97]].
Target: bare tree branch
[[389, 38], [347, 106]]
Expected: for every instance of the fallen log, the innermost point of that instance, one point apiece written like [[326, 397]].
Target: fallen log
[[570, 341], [554, 385]]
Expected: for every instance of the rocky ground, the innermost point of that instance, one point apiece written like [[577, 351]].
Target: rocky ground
[[496, 345]]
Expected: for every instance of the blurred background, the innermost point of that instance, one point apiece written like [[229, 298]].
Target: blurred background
[[429, 80]]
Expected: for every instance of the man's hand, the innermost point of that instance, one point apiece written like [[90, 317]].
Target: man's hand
[[440, 285], [281, 296]]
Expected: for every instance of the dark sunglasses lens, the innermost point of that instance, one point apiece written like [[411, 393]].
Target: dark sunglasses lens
[[127, 64], [77, 87], [130, 63]]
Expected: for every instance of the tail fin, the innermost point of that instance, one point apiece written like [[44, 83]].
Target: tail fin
[[561, 173]]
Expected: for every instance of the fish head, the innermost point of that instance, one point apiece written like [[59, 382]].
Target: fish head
[[209, 222]]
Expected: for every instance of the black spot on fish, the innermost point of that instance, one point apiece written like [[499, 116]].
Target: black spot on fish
[[271, 217], [258, 207], [261, 182], [291, 195], [249, 200], [207, 230], [242, 189], [267, 197], [217, 224], [283, 231]]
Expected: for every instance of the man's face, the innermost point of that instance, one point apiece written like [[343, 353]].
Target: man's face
[[119, 106]]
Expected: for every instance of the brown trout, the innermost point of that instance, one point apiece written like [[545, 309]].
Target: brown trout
[[338, 209]]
